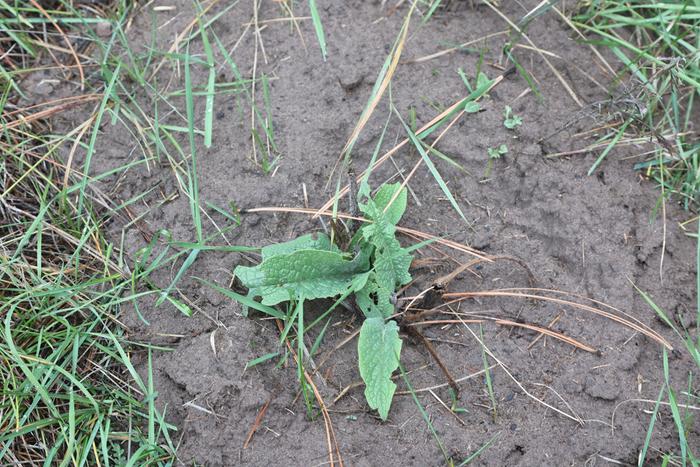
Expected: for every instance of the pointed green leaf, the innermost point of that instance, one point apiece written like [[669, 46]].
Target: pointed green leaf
[[378, 349], [398, 206], [433, 170]]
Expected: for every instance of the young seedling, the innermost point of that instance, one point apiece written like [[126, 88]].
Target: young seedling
[[510, 120], [494, 153], [371, 269]]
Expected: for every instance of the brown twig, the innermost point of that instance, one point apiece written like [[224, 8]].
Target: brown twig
[[631, 323], [256, 423]]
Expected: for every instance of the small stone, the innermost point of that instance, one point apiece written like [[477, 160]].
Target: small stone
[[103, 29], [602, 386], [482, 240], [44, 87]]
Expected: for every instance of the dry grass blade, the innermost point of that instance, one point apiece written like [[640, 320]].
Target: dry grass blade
[[405, 230], [572, 416], [548, 332], [539, 52], [377, 96], [425, 58], [82, 129], [43, 114], [549, 326], [608, 68], [439, 118], [256, 423], [176, 43], [66, 40], [506, 322], [524, 293], [458, 380]]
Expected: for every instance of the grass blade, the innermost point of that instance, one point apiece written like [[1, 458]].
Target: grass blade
[[193, 188], [318, 27], [243, 300], [609, 147], [431, 167]]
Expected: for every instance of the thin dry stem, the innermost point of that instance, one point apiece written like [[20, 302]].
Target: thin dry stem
[[633, 323]]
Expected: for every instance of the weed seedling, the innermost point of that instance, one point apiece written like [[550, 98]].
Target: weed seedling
[[510, 120], [494, 153], [371, 269]]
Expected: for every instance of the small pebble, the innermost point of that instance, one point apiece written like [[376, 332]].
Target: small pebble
[[103, 29], [44, 87]]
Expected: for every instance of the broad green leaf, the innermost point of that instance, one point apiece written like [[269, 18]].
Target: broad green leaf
[[381, 232], [471, 107], [308, 273], [374, 299], [391, 265], [397, 208], [360, 281], [378, 349], [318, 241]]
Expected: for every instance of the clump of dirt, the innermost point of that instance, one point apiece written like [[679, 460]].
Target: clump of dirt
[[592, 236]]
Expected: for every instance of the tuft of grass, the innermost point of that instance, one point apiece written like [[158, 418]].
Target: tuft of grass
[[691, 340], [658, 47], [71, 394]]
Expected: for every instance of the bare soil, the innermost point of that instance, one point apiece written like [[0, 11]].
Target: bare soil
[[591, 235]]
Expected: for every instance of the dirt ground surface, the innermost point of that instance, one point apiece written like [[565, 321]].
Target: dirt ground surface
[[590, 235]]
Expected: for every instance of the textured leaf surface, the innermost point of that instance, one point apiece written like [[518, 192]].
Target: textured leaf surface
[[390, 261], [398, 207], [375, 300], [304, 273], [318, 241], [379, 347], [391, 266]]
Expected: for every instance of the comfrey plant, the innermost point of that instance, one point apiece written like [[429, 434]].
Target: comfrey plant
[[370, 269]]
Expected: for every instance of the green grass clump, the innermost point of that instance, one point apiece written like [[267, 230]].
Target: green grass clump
[[658, 45], [70, 394], [679, 402]]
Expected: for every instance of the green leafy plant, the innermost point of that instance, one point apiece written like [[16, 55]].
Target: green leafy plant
[[496, 153], [510, 120], [372, 267]]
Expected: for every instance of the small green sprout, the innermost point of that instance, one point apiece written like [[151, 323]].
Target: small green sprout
[[511, 121], [496, 153]]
